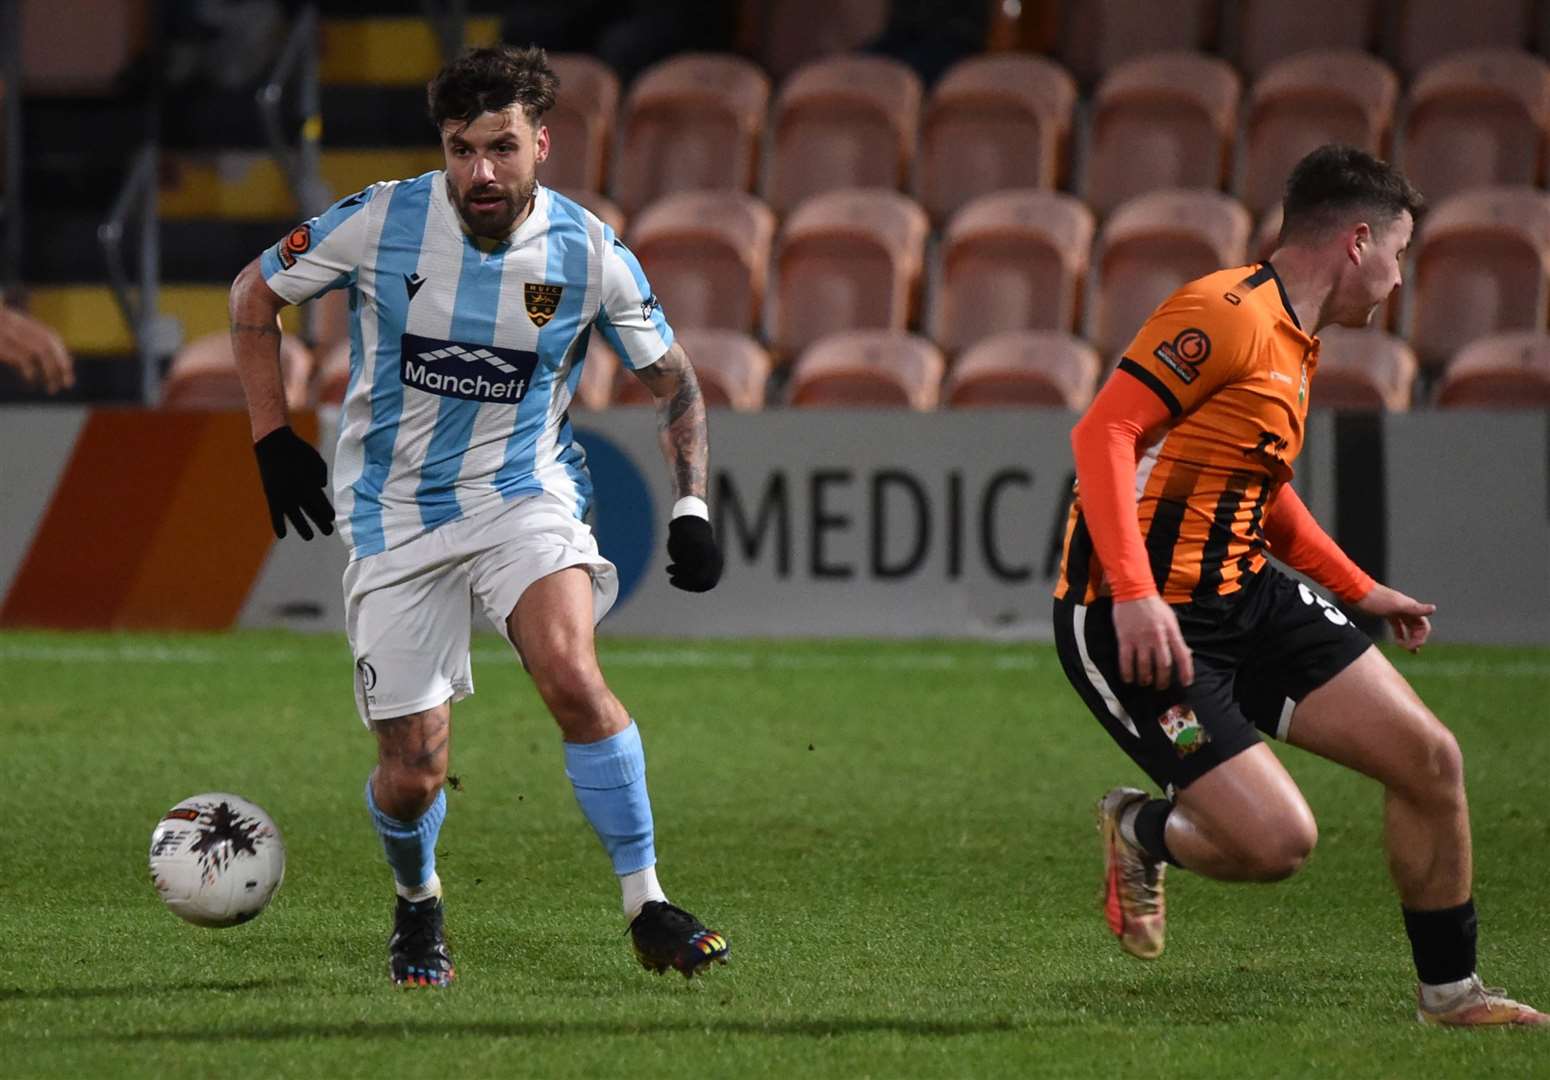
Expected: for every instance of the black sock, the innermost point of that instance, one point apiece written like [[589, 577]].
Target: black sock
[[1151, 827], [1443, 942]]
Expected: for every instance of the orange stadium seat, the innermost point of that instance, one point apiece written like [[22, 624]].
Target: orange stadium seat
[[1267, 234], [1159, 122], [605, 208], [1100, 35], [691, 121], [1153, 244], [1480, 268], [787, 34], [1363, 370], [333, 377], [1025, 367], [595, 388], [706, 254], [1427, 30], [1308, 100], [1507, 371], [1478, 118], [869, 367], [847, 260], [581, 124], [993, 123], [843, 122], [732, 369], [203, 375], [1014, 260], [1272, 30]]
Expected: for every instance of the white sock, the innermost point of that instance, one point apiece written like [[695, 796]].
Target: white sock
[[1437, 995], [424, 891], [639, 888]]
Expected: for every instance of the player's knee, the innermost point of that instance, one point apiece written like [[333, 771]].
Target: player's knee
[[1283, 852], [570, 687], [1441, 775]]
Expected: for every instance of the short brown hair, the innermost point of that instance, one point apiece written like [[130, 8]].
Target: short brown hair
[[1335, 183], [491, 80]]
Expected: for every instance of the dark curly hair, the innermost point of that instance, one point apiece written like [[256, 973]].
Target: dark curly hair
[[490, 80], [1334, 183]]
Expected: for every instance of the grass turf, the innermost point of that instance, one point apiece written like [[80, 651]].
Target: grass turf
[[897, 839]]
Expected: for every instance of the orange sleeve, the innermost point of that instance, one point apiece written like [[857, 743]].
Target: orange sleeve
[[1106, 443], [1296, 539], [1195, 343]]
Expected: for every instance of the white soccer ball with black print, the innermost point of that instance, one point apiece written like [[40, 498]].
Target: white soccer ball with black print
[[216, 859]]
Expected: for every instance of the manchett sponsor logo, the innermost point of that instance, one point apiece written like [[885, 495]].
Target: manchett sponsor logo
[[471, 372]]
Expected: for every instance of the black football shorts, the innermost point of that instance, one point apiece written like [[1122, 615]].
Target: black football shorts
[[1256, 654]]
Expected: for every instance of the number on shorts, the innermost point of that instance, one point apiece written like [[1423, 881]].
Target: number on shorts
[[1331, 612]]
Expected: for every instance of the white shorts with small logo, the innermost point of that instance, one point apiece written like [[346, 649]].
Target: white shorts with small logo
[[409, 610]]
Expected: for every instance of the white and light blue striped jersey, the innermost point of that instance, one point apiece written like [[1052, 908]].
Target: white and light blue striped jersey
[[462, 362]]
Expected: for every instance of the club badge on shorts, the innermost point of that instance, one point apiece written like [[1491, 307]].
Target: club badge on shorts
[[1183, 730]]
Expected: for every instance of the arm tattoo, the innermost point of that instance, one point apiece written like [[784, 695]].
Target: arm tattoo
[[254, 328], [681, 420]]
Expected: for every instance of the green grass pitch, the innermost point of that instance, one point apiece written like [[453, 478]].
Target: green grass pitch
[[897, 838]]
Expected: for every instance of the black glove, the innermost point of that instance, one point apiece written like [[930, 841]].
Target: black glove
[[294, 476], [695, 555]]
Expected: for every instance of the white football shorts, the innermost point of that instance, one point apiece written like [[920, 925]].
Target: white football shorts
[[409, 610]]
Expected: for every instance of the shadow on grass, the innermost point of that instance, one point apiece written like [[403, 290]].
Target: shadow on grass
[[140, 990], [813, 1028]]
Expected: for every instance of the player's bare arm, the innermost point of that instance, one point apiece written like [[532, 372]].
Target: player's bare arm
[[681, 418], [1152, 651], [255, 341], [1407, 617]]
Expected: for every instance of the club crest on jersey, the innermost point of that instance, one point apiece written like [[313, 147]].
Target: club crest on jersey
[[461, 370], [1185, 353], [1183, 730], [542, 301], [297, 242]]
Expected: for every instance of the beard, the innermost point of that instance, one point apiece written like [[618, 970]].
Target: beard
[[495, 221]]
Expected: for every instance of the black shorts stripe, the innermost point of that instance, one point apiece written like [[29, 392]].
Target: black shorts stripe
[[1213, 553], [1152, 383]]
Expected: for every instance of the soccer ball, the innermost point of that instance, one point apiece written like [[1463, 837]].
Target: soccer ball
[[216, 859]]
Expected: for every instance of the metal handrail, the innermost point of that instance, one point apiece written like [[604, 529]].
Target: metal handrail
[[155, 337], [301, 164], [448, 19]]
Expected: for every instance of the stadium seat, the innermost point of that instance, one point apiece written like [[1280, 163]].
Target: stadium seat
[[79, 47], [1507, 371], [1478, 118], [1427, 30], [1014, 260], [1153, 244], [847, 260], [1267, 234], [732, 369], [1481, 267], [333, 377], [595, 388], [1100, 35], [1364, 370], [1159, 122], [790, 33], [1024, 367], [605, 208], [843, 122], [1303, 102], [993, 123], [581, 124], [203, 375], [691, 121], [705, 254], [1272, 30], [869, 367]]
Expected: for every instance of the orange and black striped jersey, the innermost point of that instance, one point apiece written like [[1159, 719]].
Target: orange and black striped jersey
[[1227, 358]]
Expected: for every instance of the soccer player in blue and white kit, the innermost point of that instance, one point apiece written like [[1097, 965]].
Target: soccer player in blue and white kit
[[472, 293]]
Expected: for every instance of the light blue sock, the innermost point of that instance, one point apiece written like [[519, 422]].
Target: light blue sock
[[410, 845], [609, 778]]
